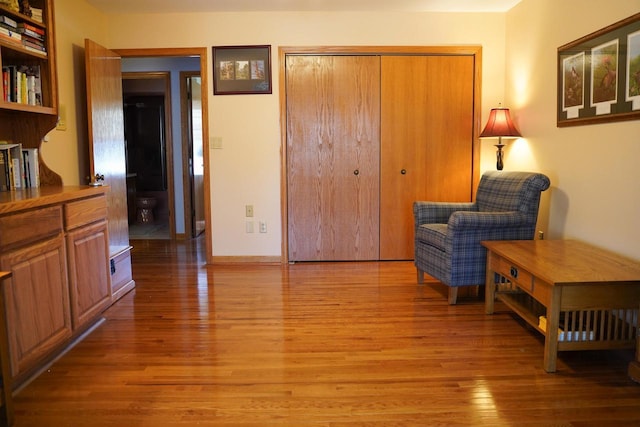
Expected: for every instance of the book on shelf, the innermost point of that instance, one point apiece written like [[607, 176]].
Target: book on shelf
[[34, 44], [30, 35], [4, 172], [22, 84], [8, 21], [25, 27], [12, 154], [36, 14], [12, 35], [31, 167]]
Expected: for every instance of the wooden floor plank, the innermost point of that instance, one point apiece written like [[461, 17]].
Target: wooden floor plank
[[318, 344]]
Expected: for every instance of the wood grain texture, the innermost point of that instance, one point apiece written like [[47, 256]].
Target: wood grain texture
[[322, 344], [427, 141], [86, 211], [106, 135], [585, 293], [20, 228], [333, 150], [28, 124], [89, 285], [37, 310], [6, 389]]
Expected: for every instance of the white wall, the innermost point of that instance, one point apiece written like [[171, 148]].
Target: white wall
[[67, 151], [594, 169], [247, 169]]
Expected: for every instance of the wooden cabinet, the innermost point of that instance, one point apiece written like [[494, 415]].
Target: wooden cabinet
[[54, 241], [368, 132], [88, 255], [36, 302]]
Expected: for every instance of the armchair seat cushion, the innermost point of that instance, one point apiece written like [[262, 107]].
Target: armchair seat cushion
[[432, 234]]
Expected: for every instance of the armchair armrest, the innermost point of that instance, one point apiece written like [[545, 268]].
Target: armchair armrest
[[438, 212], [479, 220]]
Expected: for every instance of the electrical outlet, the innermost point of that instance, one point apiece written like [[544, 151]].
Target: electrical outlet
[[263, 227], [248, 211]]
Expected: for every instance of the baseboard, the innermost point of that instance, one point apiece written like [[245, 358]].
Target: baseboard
[[246, 260]]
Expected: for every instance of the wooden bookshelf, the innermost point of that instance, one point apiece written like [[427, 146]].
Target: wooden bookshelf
[[22, 123]]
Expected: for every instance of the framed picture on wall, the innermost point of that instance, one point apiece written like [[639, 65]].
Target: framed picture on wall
[[599, 76], [241, 70]]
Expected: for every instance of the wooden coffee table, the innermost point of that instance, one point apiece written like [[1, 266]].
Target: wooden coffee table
[[578, 296]]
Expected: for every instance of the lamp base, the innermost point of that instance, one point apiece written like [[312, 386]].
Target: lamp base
[[499, 154]]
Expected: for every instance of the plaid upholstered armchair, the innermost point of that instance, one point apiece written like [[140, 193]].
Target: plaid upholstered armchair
[[448, 235]]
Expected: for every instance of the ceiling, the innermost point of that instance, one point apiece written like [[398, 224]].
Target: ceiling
[[172, 6]]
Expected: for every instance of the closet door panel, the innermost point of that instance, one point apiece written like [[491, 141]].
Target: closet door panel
[[426, 141], [333, 157]]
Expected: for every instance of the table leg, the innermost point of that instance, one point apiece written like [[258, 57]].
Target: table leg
[[551, 335], [490, 287]]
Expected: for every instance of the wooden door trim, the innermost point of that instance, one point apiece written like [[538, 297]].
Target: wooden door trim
[[165, 76], [202, 53], [283, 51], [186, 172]]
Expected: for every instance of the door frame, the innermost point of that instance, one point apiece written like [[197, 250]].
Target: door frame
[[165, 76], [187, 148], [283, 51], [202, 53]]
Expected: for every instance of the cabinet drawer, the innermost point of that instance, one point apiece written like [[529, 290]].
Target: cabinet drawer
[[83, 212], [27, 227], [121, 276], [512, 272]]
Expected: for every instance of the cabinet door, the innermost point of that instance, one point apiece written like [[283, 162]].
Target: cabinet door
[[90, 290], [36, 302], [426, 141], [333, 151]]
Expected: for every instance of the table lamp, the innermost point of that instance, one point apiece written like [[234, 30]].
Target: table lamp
[[501, 126]]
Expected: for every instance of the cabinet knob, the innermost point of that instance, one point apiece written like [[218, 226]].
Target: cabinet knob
[[514, 272], [356, 172]]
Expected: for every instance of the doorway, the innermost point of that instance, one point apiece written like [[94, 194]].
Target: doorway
[[148, 142]]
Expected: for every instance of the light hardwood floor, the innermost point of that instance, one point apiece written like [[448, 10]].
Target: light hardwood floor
[[323, 344]]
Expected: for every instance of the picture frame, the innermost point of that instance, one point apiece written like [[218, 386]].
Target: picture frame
[[599, 76], [241, 70]]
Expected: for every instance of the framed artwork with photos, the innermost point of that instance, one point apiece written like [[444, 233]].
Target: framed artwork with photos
[[241, 70], [599, 76]]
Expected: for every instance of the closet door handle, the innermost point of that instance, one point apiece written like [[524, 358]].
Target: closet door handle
[[356, 172], [403, 171]]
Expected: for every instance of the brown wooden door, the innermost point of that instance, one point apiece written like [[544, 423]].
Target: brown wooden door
[[333, 157], [426, 141], [106, 136], [107, 155]]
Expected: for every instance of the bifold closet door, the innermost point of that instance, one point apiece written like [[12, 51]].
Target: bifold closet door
[[333, 157], [426, 141]]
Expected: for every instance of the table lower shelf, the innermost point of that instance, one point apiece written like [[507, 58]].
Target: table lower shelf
[[592, 329]]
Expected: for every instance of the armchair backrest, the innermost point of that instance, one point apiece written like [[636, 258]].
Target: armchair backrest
[[511, 191]]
